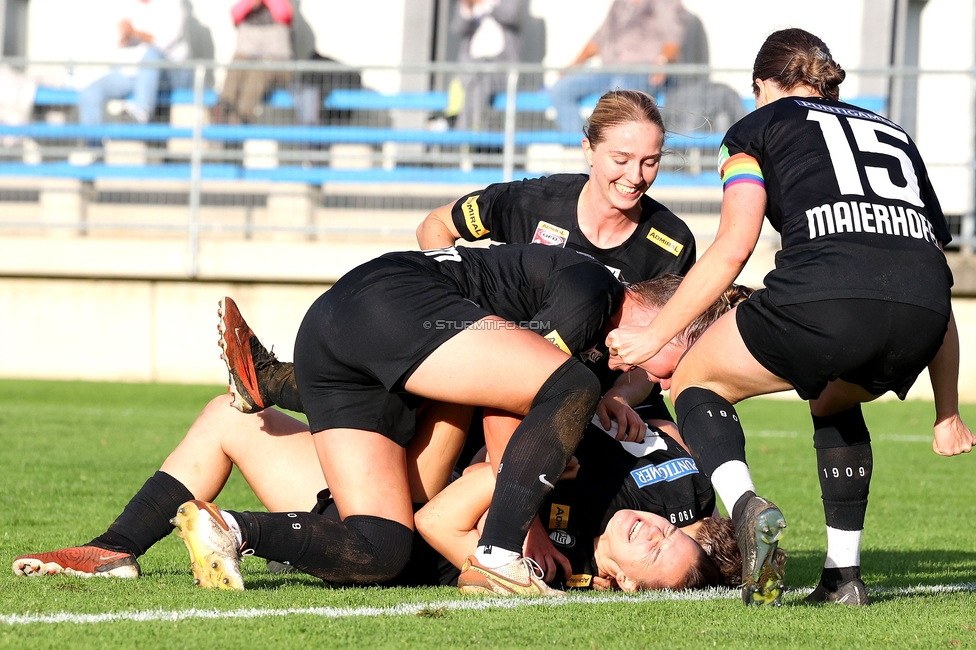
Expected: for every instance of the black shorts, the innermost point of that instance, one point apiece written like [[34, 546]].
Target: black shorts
[[876, 344], [363, 338]]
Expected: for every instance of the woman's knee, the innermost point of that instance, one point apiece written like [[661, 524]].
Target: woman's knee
[[360, 549], [572, 387], [390, 543], [216, 418]]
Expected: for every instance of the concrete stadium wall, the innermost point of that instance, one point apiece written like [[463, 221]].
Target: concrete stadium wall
[[165, 331], [135, 330]]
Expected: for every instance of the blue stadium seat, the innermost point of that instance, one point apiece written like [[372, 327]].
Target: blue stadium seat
[[300, 174], [526, 102], [370, 100], [55, 96]]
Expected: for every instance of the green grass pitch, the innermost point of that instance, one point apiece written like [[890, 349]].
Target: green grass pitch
[[72, 454]]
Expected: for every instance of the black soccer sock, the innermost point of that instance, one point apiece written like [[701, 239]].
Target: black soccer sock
[[710, 427], [360, 549], [280, 385], [538, 453], [145, 519], [844, 464]]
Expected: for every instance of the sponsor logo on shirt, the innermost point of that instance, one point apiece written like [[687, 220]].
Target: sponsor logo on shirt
[[665, 242], [579, 581], [850, 112], [554, 338], [669, 471], [562, 538], [472, 216], [549, 235], [558, 516]]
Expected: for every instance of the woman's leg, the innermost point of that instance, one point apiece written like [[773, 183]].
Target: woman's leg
[[274, 453], [715, 373], [844, 468], [434, 450], [517, 371], [367, 475]]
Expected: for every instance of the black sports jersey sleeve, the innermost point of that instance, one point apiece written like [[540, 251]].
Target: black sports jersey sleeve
[[544, 211], [536, 210], [850, 195]]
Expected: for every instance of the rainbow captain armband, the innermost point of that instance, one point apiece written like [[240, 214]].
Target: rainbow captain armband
[[740, 168]]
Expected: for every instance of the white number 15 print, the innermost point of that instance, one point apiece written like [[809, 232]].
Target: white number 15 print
[[866, 136]]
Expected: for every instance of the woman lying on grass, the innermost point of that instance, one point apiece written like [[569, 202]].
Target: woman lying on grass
[[278, 458], [629, 516]]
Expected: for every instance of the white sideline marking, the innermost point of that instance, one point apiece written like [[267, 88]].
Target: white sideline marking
[[408, 609], [888, 437]]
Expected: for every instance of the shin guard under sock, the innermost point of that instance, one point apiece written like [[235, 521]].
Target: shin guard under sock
[[360, 549], [844, 464], [145, 519], [538, 453], [710, 427]]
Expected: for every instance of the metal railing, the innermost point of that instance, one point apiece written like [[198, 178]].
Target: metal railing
[[321, 124]]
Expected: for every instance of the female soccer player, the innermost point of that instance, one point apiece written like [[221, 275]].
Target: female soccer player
[[858, 303], [634, 516], [606, 214]]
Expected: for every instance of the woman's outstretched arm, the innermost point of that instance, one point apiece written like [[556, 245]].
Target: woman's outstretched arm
[[743, 210]]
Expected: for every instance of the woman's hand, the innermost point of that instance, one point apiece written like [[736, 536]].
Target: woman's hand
[[539, 547], [630, 427], [630, 346], [952, 437]]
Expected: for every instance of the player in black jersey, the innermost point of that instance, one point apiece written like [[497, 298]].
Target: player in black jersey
[[278, 457], [606, 213], [857, 305]]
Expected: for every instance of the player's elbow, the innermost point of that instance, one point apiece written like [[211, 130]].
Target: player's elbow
[[423, 521], [434, 231], [739, 255], [422, 230], [732, 253]]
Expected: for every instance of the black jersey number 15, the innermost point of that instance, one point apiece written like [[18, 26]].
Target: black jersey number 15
[[866, 138]]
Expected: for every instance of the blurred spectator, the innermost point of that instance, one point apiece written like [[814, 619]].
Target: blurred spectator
[[489, 32], [634, 31], [152, 30], [312, 86], [263, 34]]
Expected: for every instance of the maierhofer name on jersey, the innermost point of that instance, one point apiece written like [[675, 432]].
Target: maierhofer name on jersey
[[860, 216]]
